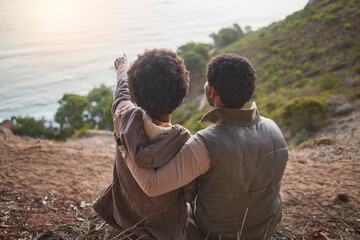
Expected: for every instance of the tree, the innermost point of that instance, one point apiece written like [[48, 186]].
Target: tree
[[100, 98], [72, 111], [107, 121], [248, 29], [226, 36], [195, 55]]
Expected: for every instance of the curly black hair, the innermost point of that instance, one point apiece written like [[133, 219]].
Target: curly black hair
[[233, 77], [158, 82]]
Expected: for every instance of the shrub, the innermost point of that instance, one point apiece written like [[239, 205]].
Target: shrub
[[306, 66], [264, 76], [301, 137], [347, 26], [356, 69], [344, 43], [304, 113], [329, 81], [336, 8], [276, 80], [329, 19], [289, 54], [29, 126], [353, 94], [82, 131], [317, 18], [298, 73]]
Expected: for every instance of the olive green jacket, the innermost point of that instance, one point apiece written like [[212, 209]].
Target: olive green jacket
[[239, 195]]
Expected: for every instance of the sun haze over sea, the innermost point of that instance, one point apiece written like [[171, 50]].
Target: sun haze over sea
[[52, 47]]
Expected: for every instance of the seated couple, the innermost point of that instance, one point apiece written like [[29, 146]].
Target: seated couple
[[229, 173]]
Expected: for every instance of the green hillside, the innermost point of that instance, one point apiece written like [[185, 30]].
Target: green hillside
[[307, 65]]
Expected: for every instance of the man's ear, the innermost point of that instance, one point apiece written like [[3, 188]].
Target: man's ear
[[213, 93]]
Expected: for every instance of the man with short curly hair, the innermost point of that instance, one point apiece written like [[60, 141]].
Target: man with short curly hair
[[238, 161], [157, 83], [233, 78]]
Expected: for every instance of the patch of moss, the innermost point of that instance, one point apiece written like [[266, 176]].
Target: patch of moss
[[317, 142]]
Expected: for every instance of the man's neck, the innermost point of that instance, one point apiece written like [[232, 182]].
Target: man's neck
[[164, 121]]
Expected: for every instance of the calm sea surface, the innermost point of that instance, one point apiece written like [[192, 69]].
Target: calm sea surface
[[52, 47]]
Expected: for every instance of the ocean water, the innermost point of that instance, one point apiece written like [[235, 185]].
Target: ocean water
[[52, 47]]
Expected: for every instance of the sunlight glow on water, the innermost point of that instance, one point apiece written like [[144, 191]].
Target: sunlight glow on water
[[52, 47]]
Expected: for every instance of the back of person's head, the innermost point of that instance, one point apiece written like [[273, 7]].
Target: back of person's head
[[233, 77], [158, 82]]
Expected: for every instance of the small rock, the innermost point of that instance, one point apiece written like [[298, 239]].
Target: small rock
[[343, 197], [82, 204]]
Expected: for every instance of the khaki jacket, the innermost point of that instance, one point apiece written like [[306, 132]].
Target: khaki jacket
[[239, 194]]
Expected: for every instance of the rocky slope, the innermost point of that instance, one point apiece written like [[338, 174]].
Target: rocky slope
[[45, 184]]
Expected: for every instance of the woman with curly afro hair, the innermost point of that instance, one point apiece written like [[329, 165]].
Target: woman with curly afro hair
[[146, 95], [158, 82]]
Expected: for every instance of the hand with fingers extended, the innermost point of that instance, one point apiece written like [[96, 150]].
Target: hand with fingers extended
[[120, 62]]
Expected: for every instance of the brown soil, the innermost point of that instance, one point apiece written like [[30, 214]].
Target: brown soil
[[45, 184]]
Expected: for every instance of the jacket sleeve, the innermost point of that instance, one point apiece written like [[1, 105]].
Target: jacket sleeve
[[190, 162], [154, 153], [122, 100], [121, 96]]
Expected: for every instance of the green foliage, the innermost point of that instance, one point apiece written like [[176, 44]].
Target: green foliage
[[317, 142], [195, 55], [29, 126], [248, 29], [353, 94], [317, 17], [293, 23], [329, 81], [193, 61], [290, 54], [347, 26], [352, 2], [82, 131], [107, 120], [79, 113], [298, 73], [189, 116], [264, 76], [329, 19], [344, 43], [306, 66], [304, 113], [356, 69], [100, 99], [71, 113], [336, 8], [301, 137], [226, 36], [199, 126]]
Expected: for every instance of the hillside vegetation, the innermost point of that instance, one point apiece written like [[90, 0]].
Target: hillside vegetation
[[307, 66]]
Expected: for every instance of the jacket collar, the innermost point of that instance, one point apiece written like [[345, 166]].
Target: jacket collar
[[233, 116]]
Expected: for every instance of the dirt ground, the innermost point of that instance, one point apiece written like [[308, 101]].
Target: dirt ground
[[45, 183]]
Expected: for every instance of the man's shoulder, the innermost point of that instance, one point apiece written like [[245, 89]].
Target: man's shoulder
[[269, 123]]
